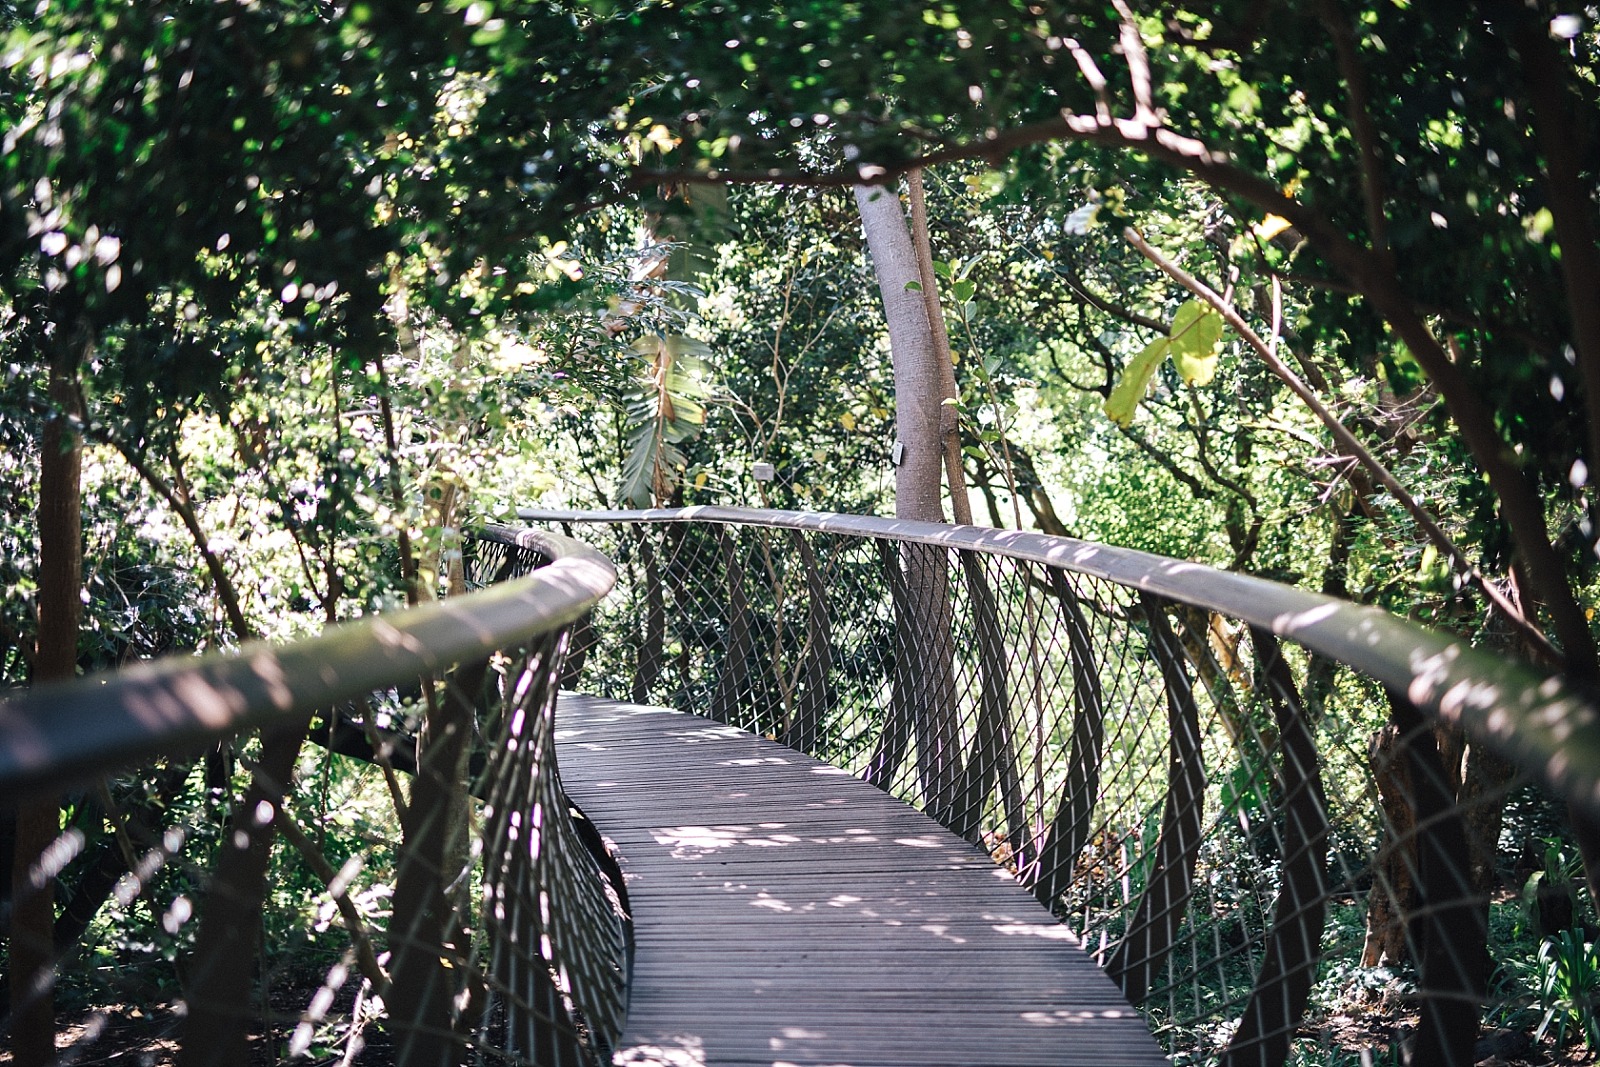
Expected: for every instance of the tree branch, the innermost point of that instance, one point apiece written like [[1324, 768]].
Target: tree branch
[[949, 430], [1358, 111], [338, 889], [1369, 271], [1570, 200], [1347, 442]]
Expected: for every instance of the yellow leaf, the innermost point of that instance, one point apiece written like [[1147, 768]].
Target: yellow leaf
[[1196, 336], [1135, 382], [1271, 226], [701, 479], [848, 420]]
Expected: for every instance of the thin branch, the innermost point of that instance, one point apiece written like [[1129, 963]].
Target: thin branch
[[1076, 283], [949, 429], [1092, 74], [1437, 311], [179, 503], [380, 756], [1347, 441], [1138, 59], [1358, 104], [1195, 485]]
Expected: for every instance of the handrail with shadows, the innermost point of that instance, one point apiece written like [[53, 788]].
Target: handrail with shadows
[[548, 983]]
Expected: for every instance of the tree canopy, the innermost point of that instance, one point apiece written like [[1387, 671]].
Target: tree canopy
[[1308, 290]]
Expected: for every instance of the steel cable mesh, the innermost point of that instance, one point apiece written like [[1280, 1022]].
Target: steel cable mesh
[[1158, 774], [533, 971]]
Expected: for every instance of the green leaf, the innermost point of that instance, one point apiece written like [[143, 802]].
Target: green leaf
[[1135, 382], [1196, 337]]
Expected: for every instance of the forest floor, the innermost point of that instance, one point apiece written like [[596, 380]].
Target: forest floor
[[147, 1035]]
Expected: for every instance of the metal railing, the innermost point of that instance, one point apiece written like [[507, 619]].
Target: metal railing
[[1243, 797], [538, 977]]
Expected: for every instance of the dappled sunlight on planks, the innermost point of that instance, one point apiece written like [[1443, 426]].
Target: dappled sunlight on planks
[[788, 913]]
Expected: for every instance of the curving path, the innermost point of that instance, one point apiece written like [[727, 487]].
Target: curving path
[[787, 913]]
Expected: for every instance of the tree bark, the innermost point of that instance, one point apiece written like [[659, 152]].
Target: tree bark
[[917, 387], [1393, 895], [218, 983], [949, 426], [926, 622], [33, 1032]]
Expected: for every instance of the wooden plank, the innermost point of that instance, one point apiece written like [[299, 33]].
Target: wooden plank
[[789, 915]]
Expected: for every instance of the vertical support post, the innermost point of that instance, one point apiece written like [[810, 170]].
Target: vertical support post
[[815, 695], [652, 648], [889, 751], [733, 676], [1294, 942], [1143, 950], [1068, 831], [993, 759]]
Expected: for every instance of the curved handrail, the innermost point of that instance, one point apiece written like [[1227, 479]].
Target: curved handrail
[[70, 731], [555, 935], [1535, 718]]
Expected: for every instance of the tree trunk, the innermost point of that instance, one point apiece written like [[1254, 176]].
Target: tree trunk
[[60, 612], [918, 456], [949, 429], [219, 979], [918, 390], [428, 940], [1393, 895]]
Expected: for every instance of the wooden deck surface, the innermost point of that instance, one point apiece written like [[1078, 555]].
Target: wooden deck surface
[[788, 914]]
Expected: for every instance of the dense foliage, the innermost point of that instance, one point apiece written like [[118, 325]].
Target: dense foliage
[[321, 282]]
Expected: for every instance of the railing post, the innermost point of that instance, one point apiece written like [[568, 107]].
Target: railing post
[[992, 760], [652, 647], [889, 751], [733, 674], [1294, 941], [1143, 950], [1068, 832], [815, 694]]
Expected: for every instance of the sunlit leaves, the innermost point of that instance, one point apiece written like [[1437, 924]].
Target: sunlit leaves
[[1135, 382], [1194, 342]]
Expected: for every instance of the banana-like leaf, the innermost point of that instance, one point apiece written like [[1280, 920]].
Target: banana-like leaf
[[665, 408], [1135, 382]]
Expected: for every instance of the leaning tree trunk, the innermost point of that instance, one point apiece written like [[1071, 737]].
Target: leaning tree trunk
[[33, 1033], [926, 697]]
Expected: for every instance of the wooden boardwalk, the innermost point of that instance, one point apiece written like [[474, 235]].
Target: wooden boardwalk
[[788, 914]]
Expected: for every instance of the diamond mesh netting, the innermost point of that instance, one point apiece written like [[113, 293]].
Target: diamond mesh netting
[[1256, 841], [510, 949]]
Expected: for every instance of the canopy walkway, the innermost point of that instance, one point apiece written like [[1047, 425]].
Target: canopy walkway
[[787, 912], [948, 795]]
